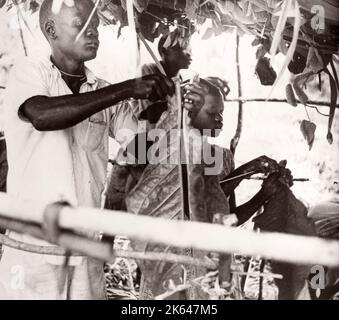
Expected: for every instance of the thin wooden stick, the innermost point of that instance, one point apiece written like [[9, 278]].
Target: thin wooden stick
[[150, 51], [245, 100], [295, 179], [236, 138], [244, 175], [88, 21], [21, 32], [277, 246], [125, 254]]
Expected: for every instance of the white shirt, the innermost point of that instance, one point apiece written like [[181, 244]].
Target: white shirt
[[59, 165], [52, 166]]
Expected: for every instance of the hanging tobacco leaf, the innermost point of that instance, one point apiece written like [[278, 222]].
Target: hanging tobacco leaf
[[290, 96], [298, 63], [298, 82], [308, 130], [265, 72], [334, 73], [261, 51], [314, 61], [33, 6], [300, 93], [334, 96], [256, 42]]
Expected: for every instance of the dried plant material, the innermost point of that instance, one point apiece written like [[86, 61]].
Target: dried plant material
[[334, 96], [265, 72], [298, 83], [256, 42], [261, 51], [302, 96], [314, 61], [308, 130], [290, 96], [329, 137], [192, 9], [280, 26], [291, 49], [298, 63]]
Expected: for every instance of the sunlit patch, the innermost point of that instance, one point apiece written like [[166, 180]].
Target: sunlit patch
[[57, 4]]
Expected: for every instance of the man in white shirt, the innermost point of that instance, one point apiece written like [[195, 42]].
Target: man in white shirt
[[58, 118]]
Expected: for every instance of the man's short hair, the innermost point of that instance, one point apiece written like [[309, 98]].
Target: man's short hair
[[45, 13]]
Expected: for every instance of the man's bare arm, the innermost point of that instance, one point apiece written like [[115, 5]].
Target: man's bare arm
[[270, 187], [248, 209], [58, 113], [261, 164]]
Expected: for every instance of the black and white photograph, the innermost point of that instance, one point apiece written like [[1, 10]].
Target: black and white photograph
[[172, 155]]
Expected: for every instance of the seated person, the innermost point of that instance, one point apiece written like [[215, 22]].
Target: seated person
[[158, 193], [175, 56], [326, 218]]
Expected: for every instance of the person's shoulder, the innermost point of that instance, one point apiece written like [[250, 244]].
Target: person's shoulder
[[36, 61], [31, 65]]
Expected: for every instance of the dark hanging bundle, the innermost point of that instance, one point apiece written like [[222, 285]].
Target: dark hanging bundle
[[265, 72]]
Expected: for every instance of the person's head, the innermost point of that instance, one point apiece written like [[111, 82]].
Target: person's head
[[62, 28], [210, 116], [178, 55]]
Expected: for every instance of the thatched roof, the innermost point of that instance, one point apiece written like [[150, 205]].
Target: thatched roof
[[305, 31]]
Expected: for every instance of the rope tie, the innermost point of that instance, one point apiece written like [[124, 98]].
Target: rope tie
[[50, 224]]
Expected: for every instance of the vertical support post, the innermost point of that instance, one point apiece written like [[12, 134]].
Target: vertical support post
[[236, 138]]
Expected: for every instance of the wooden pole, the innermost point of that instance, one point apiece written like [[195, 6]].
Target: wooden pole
[[204, 236], [311, 103], [125, 254], [236, 138]]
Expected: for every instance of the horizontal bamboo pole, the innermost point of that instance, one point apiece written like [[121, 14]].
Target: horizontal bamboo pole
[[72, 243], [127, 254], [248, 100], [101, 247], [204, 236]]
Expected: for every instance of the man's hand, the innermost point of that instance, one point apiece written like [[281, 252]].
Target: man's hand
[[193, 98], [271, 186], [152, 87], [264, 165], [275, 182]]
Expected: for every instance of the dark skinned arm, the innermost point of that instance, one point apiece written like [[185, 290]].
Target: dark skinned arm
[[261, 164], [248, 209], [62, 112], [270, 187]]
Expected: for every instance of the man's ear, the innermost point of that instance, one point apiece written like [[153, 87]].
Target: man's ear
[[50, 29]]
